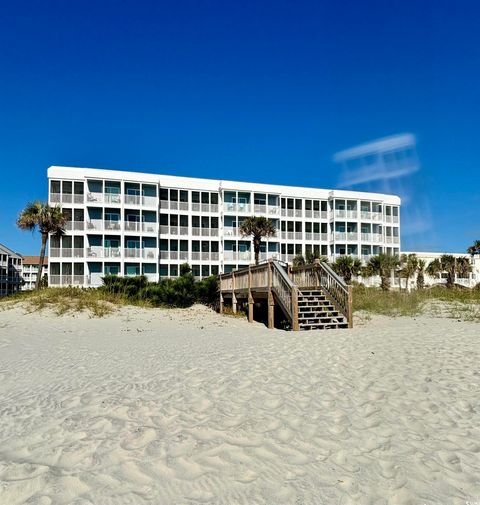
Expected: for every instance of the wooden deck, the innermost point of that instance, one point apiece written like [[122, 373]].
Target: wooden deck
[[310, 296]]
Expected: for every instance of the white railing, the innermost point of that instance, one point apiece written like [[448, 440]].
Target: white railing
[[95, 251], [274, 209], [340, 213], [110, 225], [340, 235], [149, 227], [377, 237], [377, 216], [352, 235], [351, 214], [95, 224], [93, 197], [55, 197], [260, 209], [132, 226], [112, 252], [75, 225], [132, 252], [112, 198], [366, 236], [149, 253]]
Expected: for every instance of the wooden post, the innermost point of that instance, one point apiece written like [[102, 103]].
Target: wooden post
[[250, 297], [234, 298], [295, 325], [221, 301], [350, 307], [271, 300]]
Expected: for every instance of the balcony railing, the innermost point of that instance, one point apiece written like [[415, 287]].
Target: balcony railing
[[68, 280], [237, 207], [274, 210], [352, 235], [230, 231], [316, 236], [111, 225], [75, 225], [133, 226], [166, 204], [95, 225], [66, 252]]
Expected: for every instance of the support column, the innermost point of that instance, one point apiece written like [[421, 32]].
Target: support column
[[271, 300], [234, 298], [250, 297], [221, 302], [295, 325], [350, 307]]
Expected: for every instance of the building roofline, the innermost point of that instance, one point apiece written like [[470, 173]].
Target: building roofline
[[215, 184]]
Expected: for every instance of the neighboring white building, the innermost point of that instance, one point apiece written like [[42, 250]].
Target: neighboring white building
[[30, 271], [10, 271], [132, 223], [472, 280]]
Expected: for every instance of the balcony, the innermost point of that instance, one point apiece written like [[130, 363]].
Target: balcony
[[132, 252], [237, 207], [340, 214], [260, 209], [352, 235], [166, 204], [377, 216], [317, 237], [149, 227], [274, 210], [95, 225], [110, 225], [234, 255], [366, 237], [340, 236], [94, 251], [67, 252], [140, 200], [230, 231], [135, 226], [75, 225], [112, 252], [377, 237], [68, 280]]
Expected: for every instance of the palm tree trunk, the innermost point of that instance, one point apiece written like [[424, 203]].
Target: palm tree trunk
[[41, 260], [256, 249]]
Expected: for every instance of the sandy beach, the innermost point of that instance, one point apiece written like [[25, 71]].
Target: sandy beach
[[182, 407]]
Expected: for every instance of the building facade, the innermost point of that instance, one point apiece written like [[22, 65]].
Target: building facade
[[30, 271], [10, 271], [130, 223]]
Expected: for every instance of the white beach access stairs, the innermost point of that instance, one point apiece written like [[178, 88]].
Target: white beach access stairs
[[311, 296]]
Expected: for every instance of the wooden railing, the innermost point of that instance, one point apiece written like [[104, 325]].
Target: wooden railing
[[319, 275], [272, 277]]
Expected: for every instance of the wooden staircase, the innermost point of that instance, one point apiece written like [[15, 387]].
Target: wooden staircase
[[312, 297]]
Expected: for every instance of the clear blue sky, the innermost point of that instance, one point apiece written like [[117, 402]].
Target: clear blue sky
[[260, 91]]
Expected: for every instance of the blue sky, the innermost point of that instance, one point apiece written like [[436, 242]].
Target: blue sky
[[260, 91]]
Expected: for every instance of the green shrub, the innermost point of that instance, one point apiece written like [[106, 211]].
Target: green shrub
[[206, 291]]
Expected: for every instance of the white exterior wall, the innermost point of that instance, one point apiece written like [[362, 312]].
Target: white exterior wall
[[29, 274], [86, 252]]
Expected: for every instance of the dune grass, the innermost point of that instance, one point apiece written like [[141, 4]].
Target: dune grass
[[457, 303], [96, 302]]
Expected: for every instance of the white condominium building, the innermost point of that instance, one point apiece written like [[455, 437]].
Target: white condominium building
[[10, 271], [130, 223], [30, 271]]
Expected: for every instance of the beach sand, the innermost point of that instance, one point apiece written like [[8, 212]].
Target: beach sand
[[187, 406]]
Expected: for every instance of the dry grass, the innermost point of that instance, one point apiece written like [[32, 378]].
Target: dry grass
[[60, 301], [463, 304]]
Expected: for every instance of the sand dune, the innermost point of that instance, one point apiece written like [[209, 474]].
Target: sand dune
[[189, 407]]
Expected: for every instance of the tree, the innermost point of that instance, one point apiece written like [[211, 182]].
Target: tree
[[258, 228], [420, 274], [48, 221], [463, 267], [298, 260], [434, 268], [451, 266], [382, 265], [347, 267], [474, 248], [408, 267], [311, 256]]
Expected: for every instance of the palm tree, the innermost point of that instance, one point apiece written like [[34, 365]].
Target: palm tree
[[420, 274], [434, 268], [474, 248], [311, 256], [298, 260], [382, 265], [451, 266], [463, 267], [48, 220], [408, 267], [347, 267], [448, 264], [257, 227]]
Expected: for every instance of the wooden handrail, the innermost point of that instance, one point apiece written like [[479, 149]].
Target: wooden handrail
[[319, 275], [272, 276]]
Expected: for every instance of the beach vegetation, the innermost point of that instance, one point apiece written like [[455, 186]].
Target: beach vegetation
[[258, 228]]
